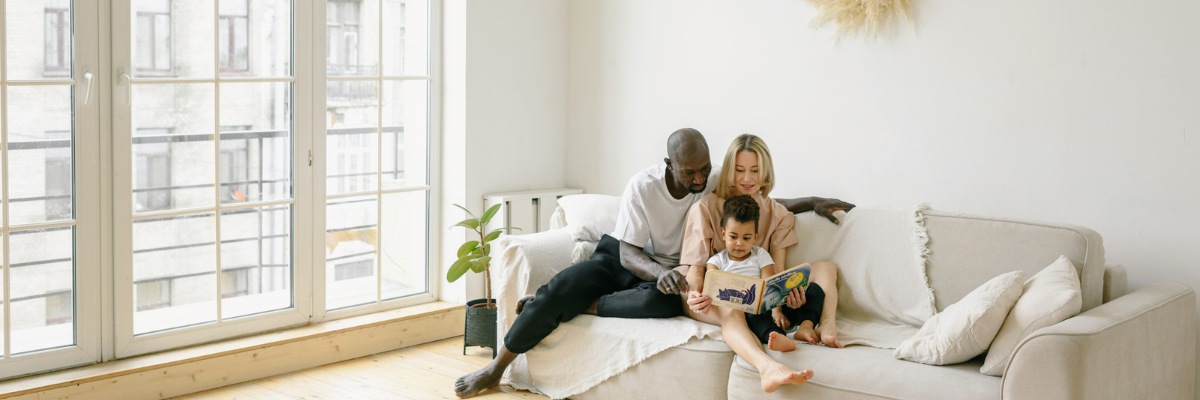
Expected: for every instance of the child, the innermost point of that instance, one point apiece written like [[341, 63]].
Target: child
[[739, 225]]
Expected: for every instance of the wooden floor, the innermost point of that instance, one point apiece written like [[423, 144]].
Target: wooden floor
[[427, 371]]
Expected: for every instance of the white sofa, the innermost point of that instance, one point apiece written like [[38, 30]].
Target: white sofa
[[1121, 346]]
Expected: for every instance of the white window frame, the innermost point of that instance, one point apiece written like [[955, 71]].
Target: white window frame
[[88, 197], [126, 342], [433, 77], [104, 303]]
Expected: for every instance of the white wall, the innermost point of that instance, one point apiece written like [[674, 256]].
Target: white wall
[[1080, 112], [504, 116]]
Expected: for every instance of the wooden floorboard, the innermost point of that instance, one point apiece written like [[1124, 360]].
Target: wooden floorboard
[[425, 371]]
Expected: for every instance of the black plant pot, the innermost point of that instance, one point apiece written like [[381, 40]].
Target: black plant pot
[[480, 329]]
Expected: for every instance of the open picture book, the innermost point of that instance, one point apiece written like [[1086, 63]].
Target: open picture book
[[752, 294]]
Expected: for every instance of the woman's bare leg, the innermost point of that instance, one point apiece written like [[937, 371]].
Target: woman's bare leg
[[772, 374]]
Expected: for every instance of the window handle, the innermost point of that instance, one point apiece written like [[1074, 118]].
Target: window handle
[[87, 93], [128, 86]]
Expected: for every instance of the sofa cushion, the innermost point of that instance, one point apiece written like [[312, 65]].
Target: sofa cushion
[[862, 372], [589, 216], [966, 328], [1050, 297]]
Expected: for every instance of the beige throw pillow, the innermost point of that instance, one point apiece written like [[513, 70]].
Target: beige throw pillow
[[964, 329], [1051, 296]]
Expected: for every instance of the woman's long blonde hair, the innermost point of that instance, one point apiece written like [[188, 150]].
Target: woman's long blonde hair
[[766, 170]]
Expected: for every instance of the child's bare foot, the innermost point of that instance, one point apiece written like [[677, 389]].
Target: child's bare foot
[[475, 382], [778, 375], [828, 334], [780, 342], [806, 333], [521, 303]]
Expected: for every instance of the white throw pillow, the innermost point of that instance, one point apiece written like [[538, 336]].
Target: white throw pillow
[[964, 329], [590, 216], [1051, 296]]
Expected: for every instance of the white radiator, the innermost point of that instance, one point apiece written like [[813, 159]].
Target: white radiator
[[528, 210]]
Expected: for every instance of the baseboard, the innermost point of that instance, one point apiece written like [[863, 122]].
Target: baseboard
[[199, 368]]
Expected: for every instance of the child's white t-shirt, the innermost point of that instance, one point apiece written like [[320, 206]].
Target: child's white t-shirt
[[758, 259]]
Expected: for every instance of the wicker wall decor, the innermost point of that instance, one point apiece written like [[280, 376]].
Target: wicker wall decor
[[868, 17]]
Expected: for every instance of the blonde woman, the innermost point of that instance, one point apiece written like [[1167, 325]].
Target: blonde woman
[[748, 170]]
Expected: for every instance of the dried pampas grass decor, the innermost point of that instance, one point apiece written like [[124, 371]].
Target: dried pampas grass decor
[[860, 16]]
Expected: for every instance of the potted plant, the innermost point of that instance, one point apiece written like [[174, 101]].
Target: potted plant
[[480, 329]]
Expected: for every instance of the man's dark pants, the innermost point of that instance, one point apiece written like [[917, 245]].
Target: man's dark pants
[[620, 293]]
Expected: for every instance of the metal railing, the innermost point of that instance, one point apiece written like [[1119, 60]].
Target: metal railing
[[259, 136]]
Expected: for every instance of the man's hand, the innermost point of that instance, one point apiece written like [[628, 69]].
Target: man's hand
[[826, 207], [672, 282]]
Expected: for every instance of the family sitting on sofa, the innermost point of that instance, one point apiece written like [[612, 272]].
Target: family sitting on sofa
[[670, 229]]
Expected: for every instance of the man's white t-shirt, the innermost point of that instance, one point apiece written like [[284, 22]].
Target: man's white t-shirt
[[751, 266], [653, 220]]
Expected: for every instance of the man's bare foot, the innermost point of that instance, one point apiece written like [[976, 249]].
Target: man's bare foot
[[780, 342], [778, 375], [521, 303], [806, 333], [475, 382], [828, 334]]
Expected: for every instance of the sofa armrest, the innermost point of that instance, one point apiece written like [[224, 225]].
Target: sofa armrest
[[1141, 345], [1115, 282], [521, 264]]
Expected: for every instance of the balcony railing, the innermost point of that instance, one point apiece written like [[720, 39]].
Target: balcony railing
[[394, 170]]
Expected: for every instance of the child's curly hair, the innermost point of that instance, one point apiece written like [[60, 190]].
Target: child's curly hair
[[742, 209]]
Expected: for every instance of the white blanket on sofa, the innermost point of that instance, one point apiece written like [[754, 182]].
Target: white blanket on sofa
[[883, 289]]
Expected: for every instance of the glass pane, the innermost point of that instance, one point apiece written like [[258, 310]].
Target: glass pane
[[405, 133], [269, 52], [38, 39], [256, 145], [173, 146], [39, 134], [256, 260], [350, 241], [352, 38], [174, 260], [403, 238], [352, 141], [42, 273], [405, 37], [161, 32]]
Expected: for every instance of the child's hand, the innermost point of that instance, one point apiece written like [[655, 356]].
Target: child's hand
[[698, 302], [780, 320], [795, 298]]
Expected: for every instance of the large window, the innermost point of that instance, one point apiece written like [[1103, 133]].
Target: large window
[[377, 133], [264, 172], [49, 203]]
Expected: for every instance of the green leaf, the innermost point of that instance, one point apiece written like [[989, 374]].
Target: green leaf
[[480, 264], [467, 247], [457, 269], [465, 210], [487, 215], [487, 248], [469, 223], [492, 236]]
